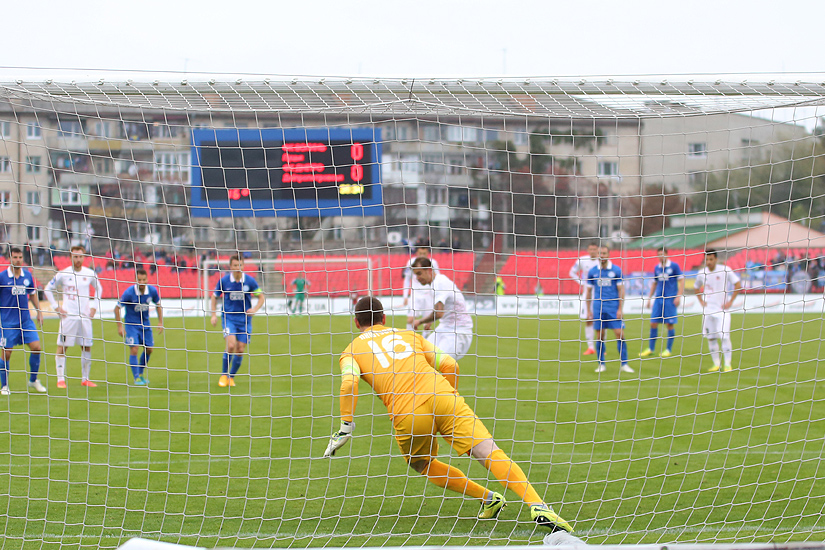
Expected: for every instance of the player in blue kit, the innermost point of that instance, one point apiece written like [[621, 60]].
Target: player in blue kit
[[665, 297], [605, 300], [16, 326], [237, 289], [136, 301]]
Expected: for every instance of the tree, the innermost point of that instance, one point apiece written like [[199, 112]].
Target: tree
[[648, 212], [787, 180]]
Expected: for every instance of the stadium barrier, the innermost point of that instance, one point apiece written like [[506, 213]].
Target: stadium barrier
[[505, 305]]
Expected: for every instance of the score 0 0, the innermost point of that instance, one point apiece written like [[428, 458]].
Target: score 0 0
[[356, 172]]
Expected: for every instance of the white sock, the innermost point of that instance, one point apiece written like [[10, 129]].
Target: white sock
[[714, 350], [590, 335], [409, 326], [60, 366], [86, 364], [727, 350]]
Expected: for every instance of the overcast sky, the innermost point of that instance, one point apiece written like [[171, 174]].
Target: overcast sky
[[417, 38]]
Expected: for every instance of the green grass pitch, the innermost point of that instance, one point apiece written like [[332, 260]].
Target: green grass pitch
[[669, 454]]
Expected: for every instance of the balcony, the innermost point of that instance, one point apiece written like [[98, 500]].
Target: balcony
[[75, 143]]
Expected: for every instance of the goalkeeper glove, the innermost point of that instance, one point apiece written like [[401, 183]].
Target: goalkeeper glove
[[339, 438]]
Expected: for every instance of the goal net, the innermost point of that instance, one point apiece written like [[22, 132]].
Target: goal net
[[690, 420]]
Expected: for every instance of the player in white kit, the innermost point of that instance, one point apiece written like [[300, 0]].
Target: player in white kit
[[579, 273], [79, 306], [454, 333], [717, 286], [418, 298]]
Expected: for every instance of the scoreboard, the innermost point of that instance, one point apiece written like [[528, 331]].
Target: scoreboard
[[295, 172]]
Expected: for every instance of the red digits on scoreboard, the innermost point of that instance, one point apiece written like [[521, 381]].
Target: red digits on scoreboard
[[357, 153], [356, 172], [236, 194]]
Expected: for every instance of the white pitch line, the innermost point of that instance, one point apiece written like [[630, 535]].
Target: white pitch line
[[520, 533]]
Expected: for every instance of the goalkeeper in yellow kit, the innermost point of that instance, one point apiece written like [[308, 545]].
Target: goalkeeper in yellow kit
[[401, 366]]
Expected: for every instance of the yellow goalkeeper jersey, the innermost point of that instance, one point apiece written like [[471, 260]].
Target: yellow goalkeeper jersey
[[398, 365]]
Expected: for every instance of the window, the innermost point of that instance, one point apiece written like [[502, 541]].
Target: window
[[103, 165], [33, 198], [172, 167], [462, 133], [33, 130], [69, 196], [5, 164], [135, 131], [608, 168], [490, 135], [455, 165], [520, 138], [5, 199], [5, 128], [33, 165], [433, 164], [432, 132], [402, 133], [69, 128], [697, 149], [160, 130], [103, 129], [33, 232]]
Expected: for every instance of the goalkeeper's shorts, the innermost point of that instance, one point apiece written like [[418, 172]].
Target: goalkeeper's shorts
[[446, 414]]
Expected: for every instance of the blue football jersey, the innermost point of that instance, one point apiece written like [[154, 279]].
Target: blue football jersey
[[14, 297], [667, 279], [237, 295], [605, 283], [137, 305]]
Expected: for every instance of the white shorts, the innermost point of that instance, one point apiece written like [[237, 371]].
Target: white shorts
[[716, 325], [456, 345], [75, 331]]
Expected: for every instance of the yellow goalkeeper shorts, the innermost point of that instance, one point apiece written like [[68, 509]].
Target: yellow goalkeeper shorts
[[446, 414]]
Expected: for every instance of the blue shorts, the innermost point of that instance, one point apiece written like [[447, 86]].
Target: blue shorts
[[138, 335], [239, 326], [664, 312], [605, 318], [14, 336]]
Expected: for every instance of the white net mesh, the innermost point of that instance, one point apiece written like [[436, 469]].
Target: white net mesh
[[507, 182]]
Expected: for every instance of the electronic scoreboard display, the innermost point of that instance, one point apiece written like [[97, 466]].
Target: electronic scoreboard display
[[298, 172]]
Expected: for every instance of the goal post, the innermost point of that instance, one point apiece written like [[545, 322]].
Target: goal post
[[695, 421]]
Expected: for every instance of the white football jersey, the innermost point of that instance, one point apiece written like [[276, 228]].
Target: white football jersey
[[717, 286], [76, 287], [456, 318], [581, 268], [410, 282]]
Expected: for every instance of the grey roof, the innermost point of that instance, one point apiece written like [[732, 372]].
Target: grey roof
[[456, 97]]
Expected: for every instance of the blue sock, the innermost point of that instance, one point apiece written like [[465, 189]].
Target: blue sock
[[671, 335], [34, 366], [654, 335], [144, 360], [133, 362], [600, 351], [4, 371], [622, 346], [225, 365], [236, 364]]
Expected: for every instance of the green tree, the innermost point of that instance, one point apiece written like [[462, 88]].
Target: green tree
[[787, 180]]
